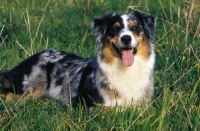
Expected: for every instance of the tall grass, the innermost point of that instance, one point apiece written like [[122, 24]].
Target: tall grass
[[27, 27]]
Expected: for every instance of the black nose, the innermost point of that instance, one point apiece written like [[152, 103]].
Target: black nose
[[126, 39]]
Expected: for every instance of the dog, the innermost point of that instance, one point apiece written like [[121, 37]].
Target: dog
[[120, 75]]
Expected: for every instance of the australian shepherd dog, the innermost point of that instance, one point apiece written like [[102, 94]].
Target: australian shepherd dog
[[121, 73]]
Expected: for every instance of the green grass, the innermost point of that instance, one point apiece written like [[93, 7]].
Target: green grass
[[29, 26]]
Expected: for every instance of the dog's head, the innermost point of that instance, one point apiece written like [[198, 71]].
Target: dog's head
[[124, 35]]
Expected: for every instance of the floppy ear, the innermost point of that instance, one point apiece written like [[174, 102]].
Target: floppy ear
[[148, 22], [100, 24]]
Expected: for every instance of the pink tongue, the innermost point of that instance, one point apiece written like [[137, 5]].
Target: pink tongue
[[127, 57]]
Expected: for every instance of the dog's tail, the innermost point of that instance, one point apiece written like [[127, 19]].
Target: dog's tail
[[7, 83], [31, 75], [5, 88], [28, 72]]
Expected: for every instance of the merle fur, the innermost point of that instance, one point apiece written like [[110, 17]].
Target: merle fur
[[74, 75]]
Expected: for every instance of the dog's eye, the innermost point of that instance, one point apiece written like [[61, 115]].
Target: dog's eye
[[135, 29], [115, 29]]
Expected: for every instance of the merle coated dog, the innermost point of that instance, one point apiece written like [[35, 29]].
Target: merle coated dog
[[121, 74]]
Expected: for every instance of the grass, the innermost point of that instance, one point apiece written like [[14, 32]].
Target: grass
[[27, 27]]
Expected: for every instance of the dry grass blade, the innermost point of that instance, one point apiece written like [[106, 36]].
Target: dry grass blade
[[3, 39], [183, 75], [23, 48], [185, 110], [197, 33], [58, 24], [188, 17], [70, 93], [140, 115], [5, 108], [2, 30]]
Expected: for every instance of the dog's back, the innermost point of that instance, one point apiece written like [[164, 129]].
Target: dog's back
[[63, 76]]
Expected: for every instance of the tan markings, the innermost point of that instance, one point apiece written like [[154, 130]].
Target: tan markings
[[132, 23], [37, 93], [9, 96], [109, 52], [106, 109], [113, 40], [143, 47], [117, 24]]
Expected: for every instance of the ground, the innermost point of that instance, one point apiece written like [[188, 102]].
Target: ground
[[27, 27]]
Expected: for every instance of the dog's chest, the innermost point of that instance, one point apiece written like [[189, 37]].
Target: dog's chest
[[125, 86]]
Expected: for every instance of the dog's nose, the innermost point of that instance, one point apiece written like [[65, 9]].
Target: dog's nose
[[126, 39]]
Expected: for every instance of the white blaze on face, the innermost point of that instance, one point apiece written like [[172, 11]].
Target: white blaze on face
[[126, 31], [127, 55]]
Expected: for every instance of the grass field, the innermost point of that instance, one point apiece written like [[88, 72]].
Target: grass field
[[29, 26]]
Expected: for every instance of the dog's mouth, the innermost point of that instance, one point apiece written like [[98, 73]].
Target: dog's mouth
[[126, 54]]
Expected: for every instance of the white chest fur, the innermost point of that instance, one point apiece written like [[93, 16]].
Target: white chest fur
[[132, 84]]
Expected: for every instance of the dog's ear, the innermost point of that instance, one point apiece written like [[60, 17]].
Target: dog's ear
[[148, 23], [100, 24]]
